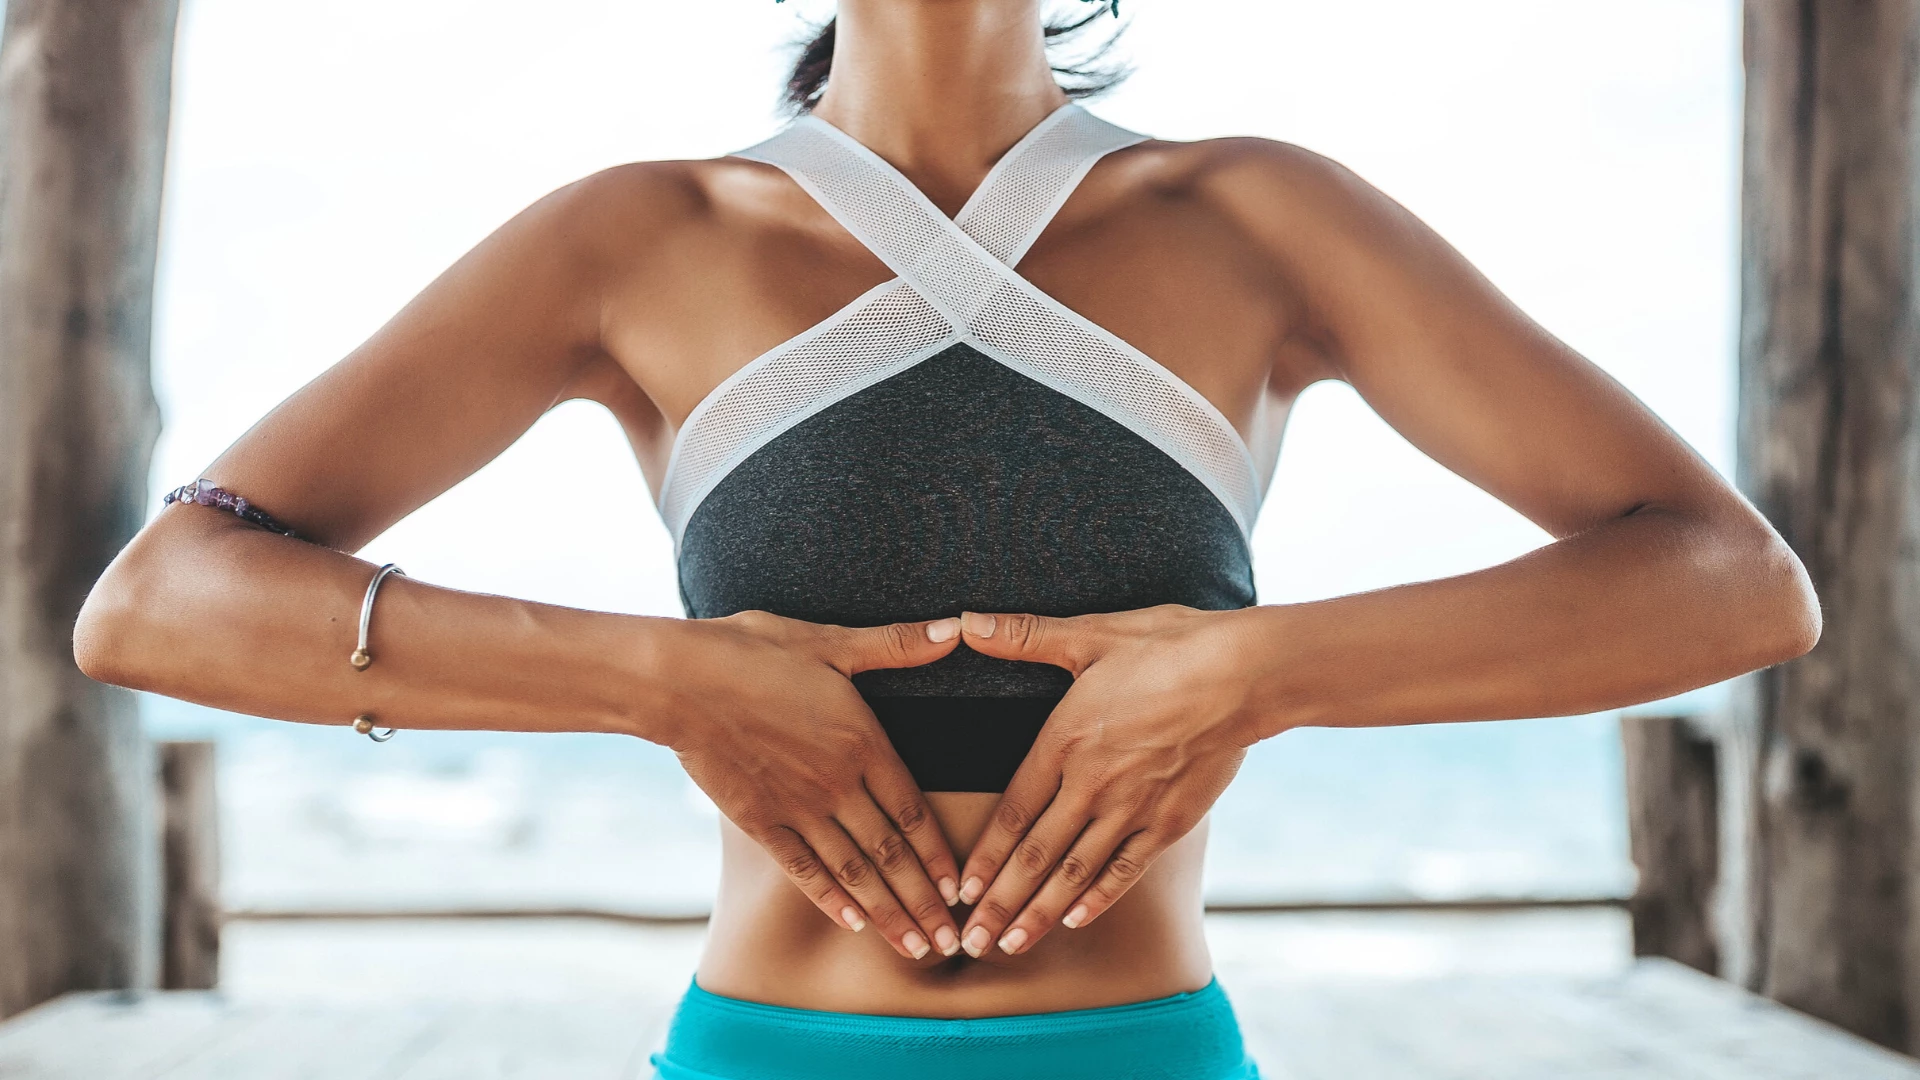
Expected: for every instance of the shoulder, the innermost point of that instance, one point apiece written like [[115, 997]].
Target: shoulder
[[1343, 255], [1238, 159], [1337, 241], [1276, 190], [641, 204]]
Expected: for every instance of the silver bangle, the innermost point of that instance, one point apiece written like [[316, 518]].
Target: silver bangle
[[362, 657]]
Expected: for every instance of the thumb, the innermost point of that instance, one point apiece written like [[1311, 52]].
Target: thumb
[[1067, 643], [896, 645]]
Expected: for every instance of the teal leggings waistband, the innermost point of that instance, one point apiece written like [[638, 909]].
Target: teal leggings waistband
[[1191, 1036]]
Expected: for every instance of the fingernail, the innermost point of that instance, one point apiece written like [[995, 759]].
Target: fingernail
[[977, 624], [947, 892], [977, 941], [1075, 917], [1012, 943], [915, 944], [853, 920], [947, 940], [943, 630], [971, 890]]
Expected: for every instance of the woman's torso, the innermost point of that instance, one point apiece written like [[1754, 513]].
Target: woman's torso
[[1148, 247]]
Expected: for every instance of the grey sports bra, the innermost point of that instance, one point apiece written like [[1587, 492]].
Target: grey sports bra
[[954, 439]]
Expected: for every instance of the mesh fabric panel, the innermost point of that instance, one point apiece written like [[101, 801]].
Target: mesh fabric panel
[[1031, 181], [1003, 311], [955, 284], [885, 331]]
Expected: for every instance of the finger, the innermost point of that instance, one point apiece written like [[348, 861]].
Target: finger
[[1033, 858], [1033, 788], [804, 868], [893, 789], [900, 868], [895, 645], [1068, 643], [857, 874], [1059, 896], [1125, 868]]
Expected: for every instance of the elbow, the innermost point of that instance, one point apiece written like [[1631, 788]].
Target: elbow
[[111, 634], [1800, 620], [1781, 616]]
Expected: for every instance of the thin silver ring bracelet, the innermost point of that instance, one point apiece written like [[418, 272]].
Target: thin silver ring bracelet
[[203, 492], [362, 656]]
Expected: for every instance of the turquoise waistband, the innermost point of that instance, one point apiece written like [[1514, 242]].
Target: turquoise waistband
[[1191, 1036]]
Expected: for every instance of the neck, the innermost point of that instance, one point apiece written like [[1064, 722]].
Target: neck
[[939, 88]]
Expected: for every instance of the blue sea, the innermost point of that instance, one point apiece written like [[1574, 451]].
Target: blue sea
[[318, 818]]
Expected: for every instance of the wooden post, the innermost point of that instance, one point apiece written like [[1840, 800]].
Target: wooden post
[[84, 88], [1829, 436], [1673, 794], [190, 865]]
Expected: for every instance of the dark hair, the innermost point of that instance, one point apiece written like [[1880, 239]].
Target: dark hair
[[1083, 73]]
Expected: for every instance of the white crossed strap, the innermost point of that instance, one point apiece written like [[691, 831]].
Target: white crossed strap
[[956, 284]]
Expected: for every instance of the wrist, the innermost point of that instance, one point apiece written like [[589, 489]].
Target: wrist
[[656, 658], [1264, 642]]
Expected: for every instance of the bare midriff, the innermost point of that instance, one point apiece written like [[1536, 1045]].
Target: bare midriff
[[768, 943]]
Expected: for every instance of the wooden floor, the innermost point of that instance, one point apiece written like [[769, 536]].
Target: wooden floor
[[1654, 1020]]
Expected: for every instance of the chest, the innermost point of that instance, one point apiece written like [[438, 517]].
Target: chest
[[1157, 267]]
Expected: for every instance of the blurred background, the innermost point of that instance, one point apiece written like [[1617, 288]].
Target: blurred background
[[328, 160], [1717, 202]]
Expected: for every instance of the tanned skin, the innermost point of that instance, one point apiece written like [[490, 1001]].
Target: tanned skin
[[1250, 268]]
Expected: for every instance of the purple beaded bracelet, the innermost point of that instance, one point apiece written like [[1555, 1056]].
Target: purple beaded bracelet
[[204, 493]]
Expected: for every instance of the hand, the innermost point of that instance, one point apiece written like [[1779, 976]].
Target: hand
[[773, 731], [1157, 721]]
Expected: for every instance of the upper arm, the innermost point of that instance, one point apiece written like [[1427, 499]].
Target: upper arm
[[1450, 362], [509, 330]]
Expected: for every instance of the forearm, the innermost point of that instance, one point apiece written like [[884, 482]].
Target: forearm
[[210, 610], [1644, 606]]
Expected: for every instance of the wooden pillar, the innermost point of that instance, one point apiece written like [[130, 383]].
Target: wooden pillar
[[84, 87], [1829, 436], [190, 867], [1673, 829]]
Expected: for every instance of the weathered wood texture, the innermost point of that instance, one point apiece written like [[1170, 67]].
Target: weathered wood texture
[[1673, 832], [190, 867], [1659, 1021], [1829, 440], [83, 117], [194, 1036]]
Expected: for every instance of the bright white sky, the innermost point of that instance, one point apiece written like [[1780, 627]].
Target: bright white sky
[[329, 159]]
